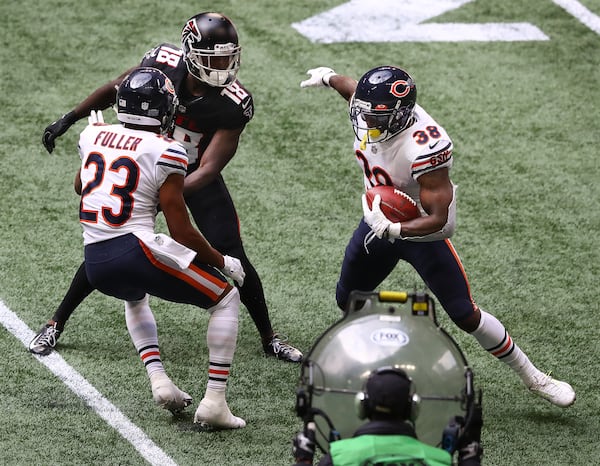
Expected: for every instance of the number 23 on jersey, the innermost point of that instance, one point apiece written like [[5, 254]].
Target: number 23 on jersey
[[121, 194]]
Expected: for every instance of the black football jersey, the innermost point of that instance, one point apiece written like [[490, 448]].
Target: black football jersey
[[198, 118]]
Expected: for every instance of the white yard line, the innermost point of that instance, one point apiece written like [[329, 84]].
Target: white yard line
[[413, 21], [358, 21], [83, 389], [580, 12]]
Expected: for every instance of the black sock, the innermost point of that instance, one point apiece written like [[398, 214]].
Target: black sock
[[80, 288]]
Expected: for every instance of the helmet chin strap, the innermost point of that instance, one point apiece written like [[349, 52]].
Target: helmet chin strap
[[363, 141]]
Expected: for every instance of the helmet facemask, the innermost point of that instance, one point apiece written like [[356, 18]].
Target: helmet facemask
[[168, 121], [218, 67], [378, 123]]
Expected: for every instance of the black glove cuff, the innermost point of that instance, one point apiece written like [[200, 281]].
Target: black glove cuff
[[69, 118]]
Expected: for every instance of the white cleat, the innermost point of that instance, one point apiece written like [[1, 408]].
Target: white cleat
[[167, 395], [555, 391], [216, 414]]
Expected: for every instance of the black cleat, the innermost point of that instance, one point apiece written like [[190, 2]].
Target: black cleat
[[45, 340], [277, 347]]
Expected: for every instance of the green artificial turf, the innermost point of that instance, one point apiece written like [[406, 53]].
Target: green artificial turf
[[523, 117]]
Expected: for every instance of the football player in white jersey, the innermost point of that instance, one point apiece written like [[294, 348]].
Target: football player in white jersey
[[398, 144], [127, 170], [213, 111]]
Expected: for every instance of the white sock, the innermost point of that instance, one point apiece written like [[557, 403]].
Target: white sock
[[494, 338], [144, 335], [221, 338]]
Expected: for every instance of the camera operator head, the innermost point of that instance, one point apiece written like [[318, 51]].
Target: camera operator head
[[388, 395]]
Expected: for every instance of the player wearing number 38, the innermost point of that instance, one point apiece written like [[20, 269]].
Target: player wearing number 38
[[397, 143]]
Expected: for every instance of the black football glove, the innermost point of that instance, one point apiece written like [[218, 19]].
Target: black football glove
[[56, 129], [303, 445]]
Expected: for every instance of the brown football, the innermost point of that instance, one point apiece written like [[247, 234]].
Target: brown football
[[396, 205]]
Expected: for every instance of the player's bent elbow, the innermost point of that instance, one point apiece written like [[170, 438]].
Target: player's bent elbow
[[448, 230]]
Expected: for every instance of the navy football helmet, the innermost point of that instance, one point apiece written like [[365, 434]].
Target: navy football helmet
[[146, 97], [383, 103], [211, 49]]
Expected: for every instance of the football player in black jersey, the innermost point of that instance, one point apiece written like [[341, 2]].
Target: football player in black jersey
[[214, 108]]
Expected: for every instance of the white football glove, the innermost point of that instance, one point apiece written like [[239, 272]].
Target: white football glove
[[319, 77], [233, 269], [96, 117], [379, 223]]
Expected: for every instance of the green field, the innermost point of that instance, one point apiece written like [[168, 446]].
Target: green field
[[524, 119]]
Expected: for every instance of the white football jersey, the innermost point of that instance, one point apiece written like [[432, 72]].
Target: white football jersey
[[399, 161], [122, 171]]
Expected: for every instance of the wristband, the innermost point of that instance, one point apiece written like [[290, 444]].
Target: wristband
[[69, 118], [327, 77], [393, 230]]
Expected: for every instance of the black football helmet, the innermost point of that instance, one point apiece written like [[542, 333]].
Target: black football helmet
[[211, 49], [383, 103], [146, 97]]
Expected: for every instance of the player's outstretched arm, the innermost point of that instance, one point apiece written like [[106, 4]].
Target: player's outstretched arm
[[326, 77], [100, 99]]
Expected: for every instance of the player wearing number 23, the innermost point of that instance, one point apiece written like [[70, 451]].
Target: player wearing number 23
[[126, 171], [397, 143], [213, 111]]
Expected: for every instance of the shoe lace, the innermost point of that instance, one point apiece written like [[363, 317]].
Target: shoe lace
[[280, 346], [48, 337], [546, 379], [547, 385]]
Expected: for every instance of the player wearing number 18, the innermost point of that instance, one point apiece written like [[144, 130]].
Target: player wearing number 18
[[397, 143], [213, 110]]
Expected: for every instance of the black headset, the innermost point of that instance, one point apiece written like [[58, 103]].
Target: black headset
[[409, 410]]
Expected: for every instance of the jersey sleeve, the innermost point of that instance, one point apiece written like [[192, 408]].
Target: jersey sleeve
[[173, 160], [84, 140], [238, 106], [435, 156], [81, 144], [162, 55]]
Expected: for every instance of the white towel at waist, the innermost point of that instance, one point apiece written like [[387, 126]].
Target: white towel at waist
[[166, 249]]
